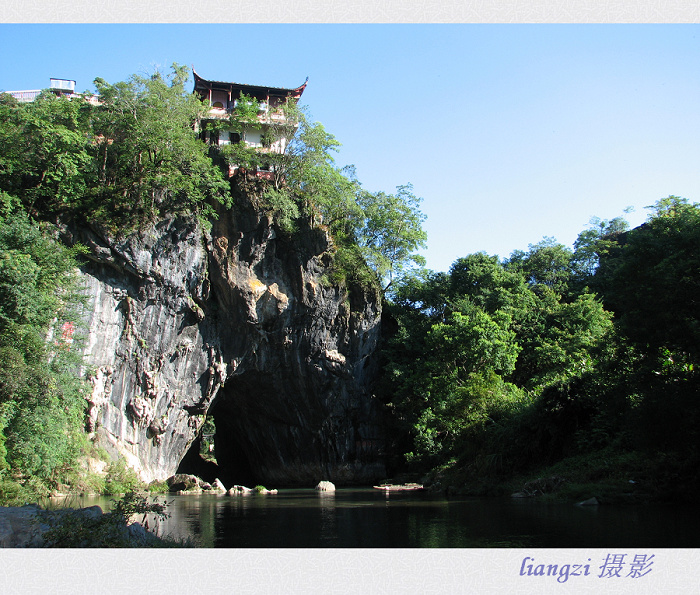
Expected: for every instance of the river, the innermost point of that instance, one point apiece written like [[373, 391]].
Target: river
[[368, 518]]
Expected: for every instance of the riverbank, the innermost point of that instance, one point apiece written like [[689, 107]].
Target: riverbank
[[34, 526], [608, 475]]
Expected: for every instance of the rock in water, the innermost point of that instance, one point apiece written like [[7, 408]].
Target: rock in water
[[325, 486], [218, 487], [590, 502]]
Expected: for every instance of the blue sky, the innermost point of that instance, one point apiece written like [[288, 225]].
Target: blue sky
[[509, 133]]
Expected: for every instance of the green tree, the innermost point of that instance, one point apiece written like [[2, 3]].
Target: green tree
[[560, 339], [477, 347], [376, 229], [593, 244], [37, 276], [149, 160], [130, 156], [460, 382], [44, 151], [490, 285], [470, 340], [44, 414], [41, 398], [652, 279], [447, 359], [391, 232], [308, 171], [547, 263]]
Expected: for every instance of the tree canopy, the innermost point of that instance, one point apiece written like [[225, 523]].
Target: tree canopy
[[500, 367], [129, 157], [41, 399], [652, 279]]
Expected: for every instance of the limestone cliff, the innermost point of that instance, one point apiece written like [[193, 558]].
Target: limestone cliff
[[238, 322]]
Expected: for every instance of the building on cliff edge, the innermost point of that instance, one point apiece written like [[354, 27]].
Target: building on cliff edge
[[222, 99]]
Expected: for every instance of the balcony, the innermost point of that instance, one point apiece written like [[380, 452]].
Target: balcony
[[62, 85], [265, 114], [218, 113]]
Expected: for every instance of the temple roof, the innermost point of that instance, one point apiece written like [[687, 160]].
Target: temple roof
[[253, 90]]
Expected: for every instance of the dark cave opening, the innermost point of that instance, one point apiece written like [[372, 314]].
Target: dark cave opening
[[262, 432], [235, 466], [193, 463], [232, 466]]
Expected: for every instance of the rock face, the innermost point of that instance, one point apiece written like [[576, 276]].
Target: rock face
[[19, 527], [239, 323]]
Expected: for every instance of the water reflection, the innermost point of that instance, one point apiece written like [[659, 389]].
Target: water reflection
[[370, 518], [329, 527]]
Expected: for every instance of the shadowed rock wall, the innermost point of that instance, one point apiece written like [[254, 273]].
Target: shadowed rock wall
[[240, 321]]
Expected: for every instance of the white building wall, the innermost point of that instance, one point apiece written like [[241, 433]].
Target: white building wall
[[253, 138]]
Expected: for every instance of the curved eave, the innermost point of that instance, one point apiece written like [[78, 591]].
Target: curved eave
[[202, 83]]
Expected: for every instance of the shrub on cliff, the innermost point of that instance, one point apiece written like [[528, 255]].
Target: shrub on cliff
[[378, 230], [147, 158]]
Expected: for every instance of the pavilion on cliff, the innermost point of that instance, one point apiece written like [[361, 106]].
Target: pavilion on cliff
[[222, 98]]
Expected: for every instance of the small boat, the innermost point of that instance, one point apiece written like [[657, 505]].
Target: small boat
[[389, 487]]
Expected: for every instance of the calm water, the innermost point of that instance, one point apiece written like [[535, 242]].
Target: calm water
[[370, 518]]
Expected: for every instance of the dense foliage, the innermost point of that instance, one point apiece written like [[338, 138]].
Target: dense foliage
[[377, 229], [500, 367], [130, 158]]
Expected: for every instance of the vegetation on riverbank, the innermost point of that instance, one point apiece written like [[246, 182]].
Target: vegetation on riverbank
[[557, 363], [608, 475], [122, 526]]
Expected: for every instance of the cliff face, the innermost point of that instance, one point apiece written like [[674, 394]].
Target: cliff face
[[241, 324]]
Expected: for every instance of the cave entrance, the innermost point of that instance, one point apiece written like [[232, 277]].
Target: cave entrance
[[198, 460], [216, 453]]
